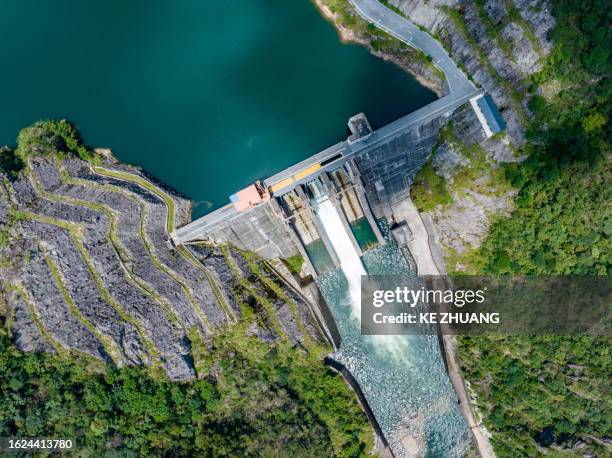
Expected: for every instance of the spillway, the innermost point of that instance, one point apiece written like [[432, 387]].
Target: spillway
[[350, 263]]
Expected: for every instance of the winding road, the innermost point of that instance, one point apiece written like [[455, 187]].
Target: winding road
[[460, 90], [398, 26]]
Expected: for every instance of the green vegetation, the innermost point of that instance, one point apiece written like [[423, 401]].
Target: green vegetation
[[133, 178], [378, 39], [10, 163], [256, 264], [50, 138], [562, 221], [429, 189], [251, 400], [262, 300], [479, 174], [515, 16], [540, 390], [294, 263], [493, 30], [554, 390], [459, 22]]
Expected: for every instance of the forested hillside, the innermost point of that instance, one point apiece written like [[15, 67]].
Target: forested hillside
[[255, 401], [551, 392]]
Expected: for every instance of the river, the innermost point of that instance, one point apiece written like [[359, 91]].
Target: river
[[205, 95]]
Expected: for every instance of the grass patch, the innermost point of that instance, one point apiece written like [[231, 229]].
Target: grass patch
[[263, 301], [50, 138], [515, 16], [110, 346], [294, 263], [429, 189], [133, 178], [254, 265]]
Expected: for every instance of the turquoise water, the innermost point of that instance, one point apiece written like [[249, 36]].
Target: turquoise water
[[363, 233], [205, 95], [319, 256], [402, 377], [210, 95]]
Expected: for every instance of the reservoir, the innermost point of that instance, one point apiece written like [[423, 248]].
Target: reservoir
[[207, 96]]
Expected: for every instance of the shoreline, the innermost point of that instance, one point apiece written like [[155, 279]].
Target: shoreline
[[426, 262], [348, 36]]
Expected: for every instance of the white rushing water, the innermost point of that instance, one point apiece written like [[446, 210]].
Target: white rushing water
[[402, 377], [352, 268], [350, 262]]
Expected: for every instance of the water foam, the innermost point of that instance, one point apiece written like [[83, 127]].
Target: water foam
[[353, 269], [350, 262]]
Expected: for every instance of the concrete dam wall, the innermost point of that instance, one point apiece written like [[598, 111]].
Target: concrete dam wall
[[364, 177]]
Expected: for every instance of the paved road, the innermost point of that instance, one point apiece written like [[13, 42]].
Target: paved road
[[460, 88], [401, 28]]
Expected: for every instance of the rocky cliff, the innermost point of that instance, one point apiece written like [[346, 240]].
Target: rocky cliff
[[501, 45], [352, 28], [87, 267]]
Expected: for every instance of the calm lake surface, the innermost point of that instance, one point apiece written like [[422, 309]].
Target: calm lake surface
[[206, 95]]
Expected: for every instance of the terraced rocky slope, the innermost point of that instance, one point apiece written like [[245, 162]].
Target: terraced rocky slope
[[87, 267]]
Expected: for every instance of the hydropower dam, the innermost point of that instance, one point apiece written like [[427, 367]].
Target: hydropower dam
[[341, 211]]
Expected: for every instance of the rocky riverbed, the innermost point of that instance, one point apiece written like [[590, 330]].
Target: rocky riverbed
[[501, 44]]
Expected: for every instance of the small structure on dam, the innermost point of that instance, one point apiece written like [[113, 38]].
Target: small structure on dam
[[325, 209], [487, 114]]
